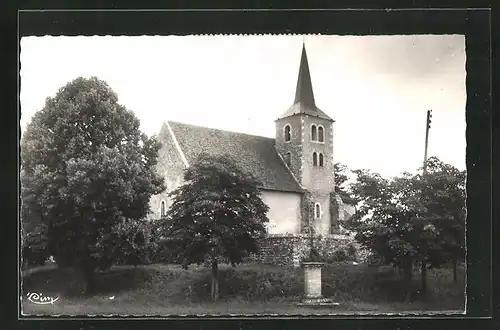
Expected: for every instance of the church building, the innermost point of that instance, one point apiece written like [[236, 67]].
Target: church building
[[296, 168]]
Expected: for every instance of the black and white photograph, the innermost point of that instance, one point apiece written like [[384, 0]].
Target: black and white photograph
[[243, 175]]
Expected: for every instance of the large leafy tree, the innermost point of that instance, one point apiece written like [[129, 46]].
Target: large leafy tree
[[444, 195], [412, 219], [341, 187], [87, 173], [437, 197], [409, 194], [218, 214], [382, 223]]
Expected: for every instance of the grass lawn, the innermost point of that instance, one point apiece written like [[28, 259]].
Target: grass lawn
[[246, 289]]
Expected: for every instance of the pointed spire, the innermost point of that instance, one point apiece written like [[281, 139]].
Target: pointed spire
[[304, 97], [304, 92]]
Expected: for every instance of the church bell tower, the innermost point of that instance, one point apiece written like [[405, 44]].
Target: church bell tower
[[304, 139]]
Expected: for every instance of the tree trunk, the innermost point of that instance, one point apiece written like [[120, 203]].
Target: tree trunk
[[215, 282], [85, 277], [408, 273], [423, 272], [89, 278], [454, 262]]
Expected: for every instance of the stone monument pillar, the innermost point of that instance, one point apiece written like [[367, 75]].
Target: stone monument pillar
[[312, 282], [312, 279]]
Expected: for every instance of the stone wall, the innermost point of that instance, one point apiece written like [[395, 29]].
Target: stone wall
[[276, 250], [292, 249], [294, 146], [171, 167], [335, 212], [316, 178]]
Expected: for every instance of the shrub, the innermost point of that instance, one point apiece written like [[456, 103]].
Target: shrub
[[339, 256], [249, 284], [342, 251], [160, 249], [132, 243], [351, 250], [343, 282], [162, 252], [34, 250]]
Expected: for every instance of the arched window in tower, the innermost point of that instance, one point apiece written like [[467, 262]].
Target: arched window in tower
[[162, 209], [315, 159], [317, 210], [288, 159], [321, 159], [321, 134], [314, 133], [288, 133]]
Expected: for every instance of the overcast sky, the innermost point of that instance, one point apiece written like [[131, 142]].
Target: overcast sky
[[377, 88]]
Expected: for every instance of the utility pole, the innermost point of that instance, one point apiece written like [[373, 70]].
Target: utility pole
[[423, 268], [427, 127]]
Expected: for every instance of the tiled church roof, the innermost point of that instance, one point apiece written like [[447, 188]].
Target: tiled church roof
[[254, 154]]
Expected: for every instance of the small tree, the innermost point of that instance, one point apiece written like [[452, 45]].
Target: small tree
[[217, 214], [412, 219], [444, 194], [408, 192], [86, 171], [383, 224]]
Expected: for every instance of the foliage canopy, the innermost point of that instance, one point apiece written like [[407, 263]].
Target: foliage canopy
[[412, 218], [219, 207], [87, 173], [218, 214]]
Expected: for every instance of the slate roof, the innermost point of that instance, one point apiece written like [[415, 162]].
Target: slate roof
[[253, 154], [304, 96], [297, 108]]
